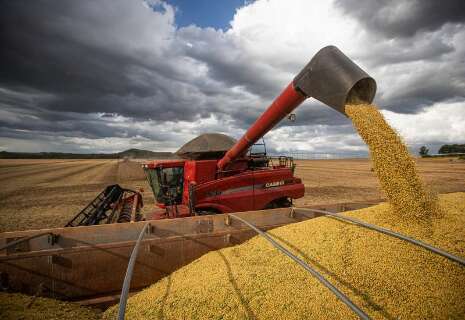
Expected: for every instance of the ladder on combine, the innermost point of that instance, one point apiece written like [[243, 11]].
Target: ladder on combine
[[113, 204]]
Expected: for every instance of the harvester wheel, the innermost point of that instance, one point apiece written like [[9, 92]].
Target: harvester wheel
[[206, 211], [279, 203]]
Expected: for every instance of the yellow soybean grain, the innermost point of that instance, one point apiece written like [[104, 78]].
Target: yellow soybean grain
[[18, 306], [386, 277], [394, 166]]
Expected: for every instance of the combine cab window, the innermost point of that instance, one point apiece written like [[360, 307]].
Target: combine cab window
[[167, 184], [154, 181]]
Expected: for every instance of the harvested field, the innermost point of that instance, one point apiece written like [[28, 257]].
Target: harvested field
[[353, 180], [38, 194], [47, 193]]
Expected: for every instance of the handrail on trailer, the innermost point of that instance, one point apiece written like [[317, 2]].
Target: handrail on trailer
[[53, 239]]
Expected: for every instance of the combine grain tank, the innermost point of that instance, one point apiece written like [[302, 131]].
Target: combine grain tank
[[206, 146]]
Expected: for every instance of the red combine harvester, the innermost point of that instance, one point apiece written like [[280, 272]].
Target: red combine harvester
[[214, 180]]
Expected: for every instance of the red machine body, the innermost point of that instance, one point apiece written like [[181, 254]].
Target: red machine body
[[242, 188], [233, 183]]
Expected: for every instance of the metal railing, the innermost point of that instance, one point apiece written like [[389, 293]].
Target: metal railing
[[52, 240]]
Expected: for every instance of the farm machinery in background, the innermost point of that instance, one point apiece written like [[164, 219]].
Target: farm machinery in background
[[217, 174]]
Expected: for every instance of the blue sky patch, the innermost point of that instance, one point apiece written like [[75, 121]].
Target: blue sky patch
[[206, 13]]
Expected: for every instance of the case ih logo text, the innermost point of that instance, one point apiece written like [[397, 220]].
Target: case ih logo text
[[274, 184]]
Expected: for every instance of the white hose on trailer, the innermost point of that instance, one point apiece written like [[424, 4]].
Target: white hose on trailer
[[341, 296], [127, 278]]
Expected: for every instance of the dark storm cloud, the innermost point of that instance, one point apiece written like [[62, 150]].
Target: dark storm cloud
[[44, 49], [421, 33], [228, 63], [417, 43], [41, 53], [116, 69], [400, 18], [64, 51], [429, 47], [315, 112]]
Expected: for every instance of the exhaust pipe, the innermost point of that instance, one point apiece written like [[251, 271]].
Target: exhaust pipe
[[330, 77]]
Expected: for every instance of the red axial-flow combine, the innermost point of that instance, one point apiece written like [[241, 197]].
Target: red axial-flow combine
[[220, 176]]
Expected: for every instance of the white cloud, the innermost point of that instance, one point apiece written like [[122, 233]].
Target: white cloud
[[198, 80], [443, 122]]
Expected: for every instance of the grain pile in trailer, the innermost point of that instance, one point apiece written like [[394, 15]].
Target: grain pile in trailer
[[14, 306], [386, 277]]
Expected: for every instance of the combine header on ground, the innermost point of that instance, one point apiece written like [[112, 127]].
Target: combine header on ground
[[114, 204], [220, 175]]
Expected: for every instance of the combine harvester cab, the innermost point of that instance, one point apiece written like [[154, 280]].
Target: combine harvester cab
[[88, 263]]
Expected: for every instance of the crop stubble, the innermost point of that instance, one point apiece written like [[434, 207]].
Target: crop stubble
[[48, 194]]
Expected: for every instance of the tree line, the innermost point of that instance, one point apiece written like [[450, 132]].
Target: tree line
[[444, 149]]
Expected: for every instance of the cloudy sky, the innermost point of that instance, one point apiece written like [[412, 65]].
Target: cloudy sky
[[108, 75]]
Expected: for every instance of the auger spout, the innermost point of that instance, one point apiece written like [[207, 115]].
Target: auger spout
[[330, 77]]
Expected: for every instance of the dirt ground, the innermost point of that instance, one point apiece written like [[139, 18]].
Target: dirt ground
[[352, 180], [38, 194]]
